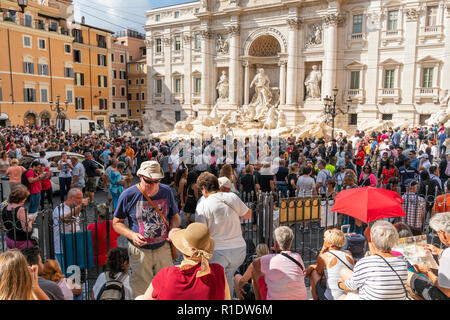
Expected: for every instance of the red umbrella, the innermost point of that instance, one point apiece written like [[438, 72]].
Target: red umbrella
[[369, 204]]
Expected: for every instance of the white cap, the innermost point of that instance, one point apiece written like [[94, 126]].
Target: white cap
[[224, 182]]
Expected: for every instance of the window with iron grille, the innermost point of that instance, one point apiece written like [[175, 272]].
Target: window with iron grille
[[386, 116]]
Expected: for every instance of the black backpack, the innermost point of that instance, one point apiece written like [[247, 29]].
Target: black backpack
[[113, 289], [24, 179]]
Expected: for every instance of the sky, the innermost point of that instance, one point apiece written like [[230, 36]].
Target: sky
[[116, 15]]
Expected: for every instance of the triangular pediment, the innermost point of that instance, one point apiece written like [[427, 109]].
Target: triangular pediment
[[355, 65], [429, 59], [390, 62]]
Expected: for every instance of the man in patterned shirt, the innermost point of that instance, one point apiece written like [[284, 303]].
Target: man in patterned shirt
[[414, 207]]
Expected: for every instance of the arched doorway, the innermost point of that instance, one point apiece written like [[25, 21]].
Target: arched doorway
[[30, 118], [45, 118]]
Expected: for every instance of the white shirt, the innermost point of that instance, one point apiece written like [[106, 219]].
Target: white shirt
[[223, 222], [60, 228], [444, 270], [44, 162]]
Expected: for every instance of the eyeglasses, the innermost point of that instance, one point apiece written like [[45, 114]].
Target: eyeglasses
[[148, 181]]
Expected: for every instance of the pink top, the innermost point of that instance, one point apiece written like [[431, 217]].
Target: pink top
[[15, 173], [284, 278], [372, 178]]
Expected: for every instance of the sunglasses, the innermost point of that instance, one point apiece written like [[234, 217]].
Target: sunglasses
[[148, 181]]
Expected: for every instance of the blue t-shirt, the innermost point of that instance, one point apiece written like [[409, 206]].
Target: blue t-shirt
[[105, 154], [143, 219]]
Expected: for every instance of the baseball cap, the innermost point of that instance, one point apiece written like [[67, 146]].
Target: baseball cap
[[411, 182], [151, 170], [423, 155], [224, 182]]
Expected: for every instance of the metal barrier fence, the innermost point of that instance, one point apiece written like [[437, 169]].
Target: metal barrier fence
[[79, 238]]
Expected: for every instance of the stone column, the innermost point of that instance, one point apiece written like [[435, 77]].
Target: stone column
[[150, 81], [246, 83], [445, 73], [408, 86], [291, 88], [168, 70], [331, 22], [187, 86], [206, 54], [234, 41], [282, 65]]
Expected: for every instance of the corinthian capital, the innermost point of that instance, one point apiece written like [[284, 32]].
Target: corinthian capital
[[333, 20], [206, 34], [187, 37], [412, 14], [234, 30], [293, 23]]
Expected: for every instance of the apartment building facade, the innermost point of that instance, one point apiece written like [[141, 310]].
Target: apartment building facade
[[119, 55]]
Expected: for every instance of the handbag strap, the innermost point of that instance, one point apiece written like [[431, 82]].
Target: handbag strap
[[404, 287], [225, 202], [153, 205], [340, 260], [293, 260]]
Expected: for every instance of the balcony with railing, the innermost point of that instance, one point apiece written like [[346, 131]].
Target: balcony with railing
[[395, 35], [429, 32], [39, 24], [385, 94], [426, 94], [357, 95]]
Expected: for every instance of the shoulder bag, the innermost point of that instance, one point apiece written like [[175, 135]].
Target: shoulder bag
[[340, 260], [172, 248], [404, 287], [293, 260]]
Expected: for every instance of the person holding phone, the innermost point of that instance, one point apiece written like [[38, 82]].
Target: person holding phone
[[46, 187]]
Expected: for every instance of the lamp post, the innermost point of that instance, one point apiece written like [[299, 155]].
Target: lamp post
[[331, 109], [22, 4], [59, 108]]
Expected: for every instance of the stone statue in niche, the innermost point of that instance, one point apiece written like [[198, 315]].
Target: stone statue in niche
[[223, 86], [312, 83], [222, 45], [263, 95], [315, 35]]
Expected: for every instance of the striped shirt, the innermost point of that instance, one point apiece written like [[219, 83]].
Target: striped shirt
[[375, 280]]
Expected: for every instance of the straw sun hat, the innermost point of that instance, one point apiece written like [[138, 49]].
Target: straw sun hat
[[151, 170], [194, 239], [197, 246]]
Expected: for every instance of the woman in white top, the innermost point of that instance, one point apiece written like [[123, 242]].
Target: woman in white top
[[380, 276], [330, 262], [222, 212], [65, 175]]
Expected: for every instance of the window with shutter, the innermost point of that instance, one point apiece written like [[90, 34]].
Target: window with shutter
[[389, 79], [44, 95], [427, 78], [354, 80]]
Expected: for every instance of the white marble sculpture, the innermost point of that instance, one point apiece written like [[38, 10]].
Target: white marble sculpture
[[223, 87], [444, 97], [263, 95], [312, 83], [222, 45], [271, 119], [315, 36]]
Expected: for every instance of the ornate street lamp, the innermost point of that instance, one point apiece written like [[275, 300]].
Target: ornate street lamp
[[59, 108], [22, 4], [330, 107]]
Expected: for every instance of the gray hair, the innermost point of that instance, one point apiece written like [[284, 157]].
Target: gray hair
[[73, 192], [441, 222], [384, 235], [284, 237]]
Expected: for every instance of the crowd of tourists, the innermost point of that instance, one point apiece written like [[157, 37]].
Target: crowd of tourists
[[193, 204]]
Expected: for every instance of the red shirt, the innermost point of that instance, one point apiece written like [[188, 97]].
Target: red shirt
[[388, 174], [102, 244], [262, 288], [172, 283], [46, 184], [36, 186], [361, 154]]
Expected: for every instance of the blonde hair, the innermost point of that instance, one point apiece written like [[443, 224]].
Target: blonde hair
[[16, 282], [14, 161], [294, 166], [262, 249], [335, 236], [52, 271]]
